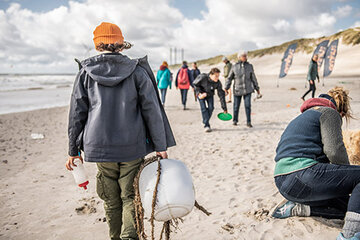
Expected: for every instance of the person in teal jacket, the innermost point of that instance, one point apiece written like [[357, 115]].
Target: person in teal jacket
[[163, 79]]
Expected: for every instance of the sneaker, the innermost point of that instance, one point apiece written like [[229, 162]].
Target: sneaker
[[184, 107], [287, 209], [249, 125], [207, 129], [355, 237], [235, 123]]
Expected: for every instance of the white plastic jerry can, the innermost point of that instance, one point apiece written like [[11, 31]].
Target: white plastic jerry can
[[79, 174], [176, 194]]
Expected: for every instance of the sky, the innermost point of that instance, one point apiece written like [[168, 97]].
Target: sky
[[44, 36]]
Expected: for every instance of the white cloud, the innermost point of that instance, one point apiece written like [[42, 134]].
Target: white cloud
[[343, 11], [48, 42]]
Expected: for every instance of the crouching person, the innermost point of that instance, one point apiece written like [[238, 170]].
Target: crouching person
[[205, 86], [312, 168], [116, 118]]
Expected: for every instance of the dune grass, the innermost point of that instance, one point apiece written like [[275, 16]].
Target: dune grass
[[350, 36]]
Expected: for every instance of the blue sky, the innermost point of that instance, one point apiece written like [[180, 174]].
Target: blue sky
[[45, 35]]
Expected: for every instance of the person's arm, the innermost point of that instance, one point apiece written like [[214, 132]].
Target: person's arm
[[157, 78], [150, 109], [254, 79], [168, 77], [309, 71], [221, 94], [176, 79], [331, 136], [229, 79], [191, 78], [78, 113]]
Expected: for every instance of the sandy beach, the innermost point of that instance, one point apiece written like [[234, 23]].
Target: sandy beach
[[232, 169]]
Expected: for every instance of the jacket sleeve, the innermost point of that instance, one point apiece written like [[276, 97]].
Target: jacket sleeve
[[168, 77], [150, 109], [191, 78], [78, 114], [157, 77], [221, 94], [229, 79], [176, 78], [198, 85], [254, 79], [331, 136], [309, 71]]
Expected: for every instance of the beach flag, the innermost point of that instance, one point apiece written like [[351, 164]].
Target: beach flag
[[321, 51], [330, 57], [287, 60]]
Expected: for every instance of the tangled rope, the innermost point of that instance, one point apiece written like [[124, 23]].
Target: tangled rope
[[139, 211]]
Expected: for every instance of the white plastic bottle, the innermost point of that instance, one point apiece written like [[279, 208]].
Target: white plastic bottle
[[79, 174]]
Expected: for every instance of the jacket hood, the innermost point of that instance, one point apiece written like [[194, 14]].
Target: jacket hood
[[184, 66], [109, 69], [317, 102]]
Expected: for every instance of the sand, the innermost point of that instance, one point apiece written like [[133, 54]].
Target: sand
[[232, 169]]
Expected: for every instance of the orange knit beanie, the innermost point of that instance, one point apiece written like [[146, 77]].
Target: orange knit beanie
[[108, 33]]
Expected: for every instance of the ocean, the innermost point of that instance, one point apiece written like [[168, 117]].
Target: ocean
[[25, 92]]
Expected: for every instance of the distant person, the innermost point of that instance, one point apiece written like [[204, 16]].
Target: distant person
[[183, 81], [163, 79], [116, 118], [227, 69], [205, 86], [312, 169], [245, 82], [195, 72], [312, 75]]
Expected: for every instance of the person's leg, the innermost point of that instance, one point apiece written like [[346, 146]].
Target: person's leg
[[210, 103], [229, 95], [182, 96], [237, 102], [204, 112], [108, 189], [185, 96], [307, 92], [323, 182], [313, 90], [163, 95], [247, 102], [128, 171]]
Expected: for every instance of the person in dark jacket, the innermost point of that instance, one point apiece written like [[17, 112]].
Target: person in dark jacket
[[245, 82], [312, 75], [195, 70], [183, 81], [205, 86], [116, 118], [312, 169]]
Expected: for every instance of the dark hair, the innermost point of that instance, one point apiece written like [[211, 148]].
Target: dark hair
[[184, 62], [113, 47], [214, 70], [195, 63]]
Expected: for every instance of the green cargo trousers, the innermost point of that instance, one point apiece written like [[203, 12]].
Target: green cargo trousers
[[114, 185]]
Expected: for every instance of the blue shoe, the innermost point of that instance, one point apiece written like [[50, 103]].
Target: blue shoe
[[355, 237], [283, 209]]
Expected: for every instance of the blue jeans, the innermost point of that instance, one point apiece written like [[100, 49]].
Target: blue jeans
[[184, 93], [325, 187], [237, 102], [163, 95], [206, 111]]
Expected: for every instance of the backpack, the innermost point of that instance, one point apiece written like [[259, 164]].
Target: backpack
[[183, 77]]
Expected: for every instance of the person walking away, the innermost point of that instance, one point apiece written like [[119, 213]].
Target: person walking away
[[116, 118], [163, 78], [312, 169], [195, 72], [205, 86], [183, 81], [227, 69], [245, 82], [311, 77]]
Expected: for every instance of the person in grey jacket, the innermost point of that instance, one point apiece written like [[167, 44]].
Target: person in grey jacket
[[244, 84], [312, 76], [116, 118], [312, 169]]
